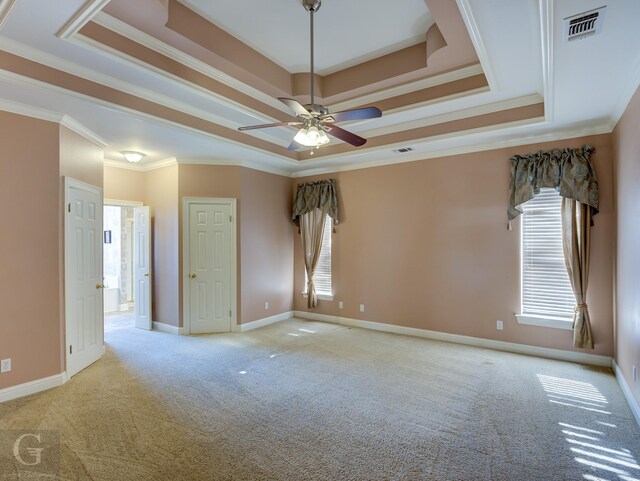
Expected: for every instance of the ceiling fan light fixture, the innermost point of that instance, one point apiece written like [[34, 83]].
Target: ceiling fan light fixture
[[311, 137]]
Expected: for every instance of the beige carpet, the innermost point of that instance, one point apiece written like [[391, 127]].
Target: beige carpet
[[312, 401]]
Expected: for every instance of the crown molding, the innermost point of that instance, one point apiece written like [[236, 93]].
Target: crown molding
[[514, 141], [160, 164], [78, 128], [476, 38], [89, 10], [51, 116], [547, 39], [5, 9]]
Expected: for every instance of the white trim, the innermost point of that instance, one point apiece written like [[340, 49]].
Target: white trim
[[547, 39], [545, 352], [160, 164], [83, 131], [626, 390], [233, 288], [81, 18], [471, 148], [542, 321], [123, 203], [32, 387], [249, 326], [476, 38], [167, 328], [5, 9], [320, 296], [465, 113]]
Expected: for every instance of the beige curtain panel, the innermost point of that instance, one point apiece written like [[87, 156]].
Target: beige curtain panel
[[312, 231], [576, 240], [316, 195], [569, 171]]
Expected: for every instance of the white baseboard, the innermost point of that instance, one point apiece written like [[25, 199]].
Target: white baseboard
[[168, 328], [32, 387], [546, 352], [126, 306], [266, 321], [626, 390]]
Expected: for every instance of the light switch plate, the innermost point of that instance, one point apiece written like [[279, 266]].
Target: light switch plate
[[361, 307], [499, 325], [340, 305], [5, 365]]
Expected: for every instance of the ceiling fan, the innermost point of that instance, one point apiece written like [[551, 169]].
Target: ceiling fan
[[314, 120]]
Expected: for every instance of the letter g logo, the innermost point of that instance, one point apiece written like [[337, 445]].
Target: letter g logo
[[35, 453]]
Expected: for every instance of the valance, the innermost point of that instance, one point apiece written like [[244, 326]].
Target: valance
[[569, 171], [321, 194]]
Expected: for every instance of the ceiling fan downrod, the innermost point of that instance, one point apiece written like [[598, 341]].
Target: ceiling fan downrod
[[312, 6]]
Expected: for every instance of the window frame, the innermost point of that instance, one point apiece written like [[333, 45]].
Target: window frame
[[537, 319]]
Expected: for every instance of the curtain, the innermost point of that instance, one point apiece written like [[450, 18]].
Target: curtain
[[312, 230], [316, 195], [571, 173], [576, 240]]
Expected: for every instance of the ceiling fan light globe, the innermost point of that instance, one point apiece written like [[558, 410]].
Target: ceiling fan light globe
[[302, 137], [323, 138], [313, 134]]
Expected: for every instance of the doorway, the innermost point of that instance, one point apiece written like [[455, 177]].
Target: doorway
[[127, 265]]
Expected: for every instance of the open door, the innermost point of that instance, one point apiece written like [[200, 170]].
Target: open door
[[142, 267]]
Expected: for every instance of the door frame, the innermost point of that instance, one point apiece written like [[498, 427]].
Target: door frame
[[69, 184], [186, 242]]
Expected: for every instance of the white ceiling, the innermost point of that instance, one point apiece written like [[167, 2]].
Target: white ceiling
[[348, 32], [587, 87]]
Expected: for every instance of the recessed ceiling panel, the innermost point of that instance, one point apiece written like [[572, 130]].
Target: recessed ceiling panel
[[348, 32]]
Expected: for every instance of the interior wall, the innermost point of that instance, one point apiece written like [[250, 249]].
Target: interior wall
[[267, 245], [626, 144], [161, 194], [124, 184], [30, 330], [425, 245]]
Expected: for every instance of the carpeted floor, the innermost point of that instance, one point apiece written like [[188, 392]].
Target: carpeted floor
[[310, 401]]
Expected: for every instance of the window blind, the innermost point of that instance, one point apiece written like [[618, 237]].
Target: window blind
[[322, 276], [546, 289]]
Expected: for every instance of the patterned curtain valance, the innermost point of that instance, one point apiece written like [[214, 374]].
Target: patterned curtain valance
[[569, 171], [321, 194]]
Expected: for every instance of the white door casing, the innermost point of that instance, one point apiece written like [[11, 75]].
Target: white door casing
[[84, 315], [142, 267], [209, 265]]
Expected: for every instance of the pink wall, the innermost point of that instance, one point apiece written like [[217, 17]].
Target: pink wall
[[626, 143], [161, 194], [267, 245], [425, 245], [124, 184], [29, 288]]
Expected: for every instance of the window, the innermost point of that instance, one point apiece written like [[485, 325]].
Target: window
[[547, 297], [322, 277]]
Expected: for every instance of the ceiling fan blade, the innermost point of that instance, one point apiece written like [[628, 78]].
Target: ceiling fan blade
[[296, 106], [355, 114], [345, 135], [264, 126]]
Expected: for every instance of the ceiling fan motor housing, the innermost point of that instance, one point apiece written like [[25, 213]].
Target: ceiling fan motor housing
[[312, 5]]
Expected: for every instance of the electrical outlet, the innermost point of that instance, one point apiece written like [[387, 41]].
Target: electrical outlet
[[635, 374], [499, 325], [340, 305], [361, 307], [266, 306], [5, 365]]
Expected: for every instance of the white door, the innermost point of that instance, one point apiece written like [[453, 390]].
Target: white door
[[209, 268], [83, 276], [142, 267]]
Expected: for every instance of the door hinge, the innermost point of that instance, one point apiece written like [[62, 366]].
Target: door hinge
[[70, 349], [230, 218], [69, 207], [229, 313]]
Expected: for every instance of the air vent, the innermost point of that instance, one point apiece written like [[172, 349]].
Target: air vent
[[583, 25], [403, 150]]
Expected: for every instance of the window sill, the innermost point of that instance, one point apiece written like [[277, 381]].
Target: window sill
[[321, 296], [542, 321]]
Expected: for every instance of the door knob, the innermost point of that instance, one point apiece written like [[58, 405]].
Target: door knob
[[193, 276], [100, 286], [146, 275]]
